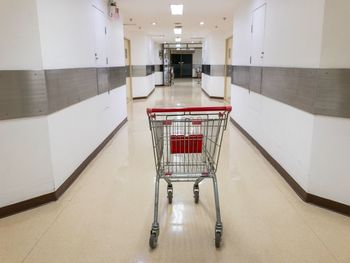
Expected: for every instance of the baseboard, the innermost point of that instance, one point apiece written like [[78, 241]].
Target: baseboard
[[54, 196], [212, 97], [144, 97], [305, 196]]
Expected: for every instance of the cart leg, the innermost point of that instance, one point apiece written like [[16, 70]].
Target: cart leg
[[155, 226], [218, 225], [169, 190], [196, 189]]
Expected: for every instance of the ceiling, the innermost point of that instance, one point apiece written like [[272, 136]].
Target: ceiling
[[140, 14]]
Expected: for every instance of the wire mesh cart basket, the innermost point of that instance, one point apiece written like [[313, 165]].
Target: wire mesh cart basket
[[186, 146]]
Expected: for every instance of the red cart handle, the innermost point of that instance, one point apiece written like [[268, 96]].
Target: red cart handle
[[188, 109]]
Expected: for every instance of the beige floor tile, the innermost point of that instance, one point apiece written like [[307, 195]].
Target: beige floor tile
[[106, 216]]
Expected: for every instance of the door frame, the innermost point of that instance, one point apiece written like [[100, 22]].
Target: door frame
[[130, 69], [226, 65]]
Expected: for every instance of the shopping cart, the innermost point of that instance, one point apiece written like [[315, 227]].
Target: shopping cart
[[186, 145]]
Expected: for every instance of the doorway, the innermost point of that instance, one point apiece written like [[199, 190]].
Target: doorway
[[228, 63], [258, 34], [182, 64], [129, 72]]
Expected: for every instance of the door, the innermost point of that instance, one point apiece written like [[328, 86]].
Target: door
[[258, 34], [182, 64], [186, 65], [100, 37], [128, 66], [176, 63], [228, 63]]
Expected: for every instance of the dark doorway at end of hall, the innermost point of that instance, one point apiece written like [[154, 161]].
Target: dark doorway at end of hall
[[182, 64]]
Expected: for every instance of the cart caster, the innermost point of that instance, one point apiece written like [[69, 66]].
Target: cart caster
[[170, 194], [218, 234], [153, 240], [196, 193], [217, 239]]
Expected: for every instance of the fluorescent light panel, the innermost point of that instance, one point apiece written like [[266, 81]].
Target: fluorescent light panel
[[178, 39], [178, 30], [177, 10]]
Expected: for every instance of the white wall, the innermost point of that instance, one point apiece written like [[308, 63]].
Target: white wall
[[336, 35], [142, 54], [196, 60], [283, 131], [77, 130], [20, 40], [25, 158], [213, 85], [67, 33], [140, 47], [158, 76], [213, 53], [69, 43], [313, 149], [157, 59], [38, 154], [330, 166], [293, 32]]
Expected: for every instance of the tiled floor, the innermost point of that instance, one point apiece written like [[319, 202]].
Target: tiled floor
[[106, 215]]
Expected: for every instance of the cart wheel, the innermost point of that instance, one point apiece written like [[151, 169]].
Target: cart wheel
[[217, 239], [196, 194], [153, 240], [170, 197], [170, 194]]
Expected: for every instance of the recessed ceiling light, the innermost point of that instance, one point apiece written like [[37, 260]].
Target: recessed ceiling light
[[178, 30], [201, 23], [154, 24], [177, 10], [178, 39]]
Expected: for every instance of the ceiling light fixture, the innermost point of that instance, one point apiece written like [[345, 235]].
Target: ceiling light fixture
[[201, 23], [178, 30], [177, 10], [154, 24], [178, 39]]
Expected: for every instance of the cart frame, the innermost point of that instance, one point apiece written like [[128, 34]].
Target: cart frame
[[186, 146]]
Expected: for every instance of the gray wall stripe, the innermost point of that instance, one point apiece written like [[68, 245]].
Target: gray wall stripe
[[158, 68], [22, 94], [317, 91], [142, 70], [28, 93], [214, 70]]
